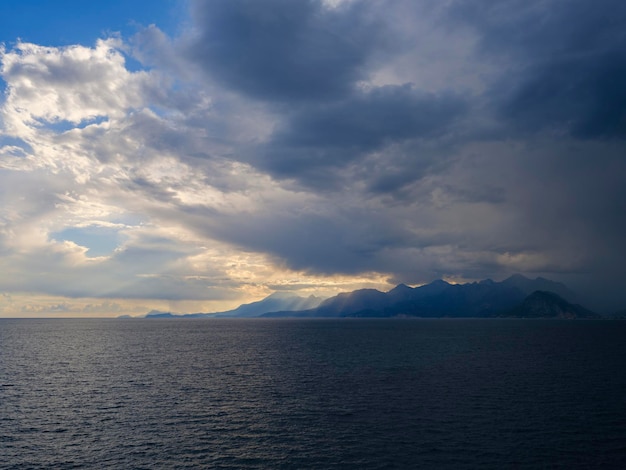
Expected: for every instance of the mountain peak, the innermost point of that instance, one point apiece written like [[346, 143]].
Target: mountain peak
[[280, 295], [400, 288], [543, 304], [528, 286]]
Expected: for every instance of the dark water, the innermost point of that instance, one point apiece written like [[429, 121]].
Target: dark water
[[312, 394]]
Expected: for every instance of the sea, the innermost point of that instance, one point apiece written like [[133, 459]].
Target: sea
[[312, 394]]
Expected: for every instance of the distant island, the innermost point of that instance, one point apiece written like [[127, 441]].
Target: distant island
[[514, 297]]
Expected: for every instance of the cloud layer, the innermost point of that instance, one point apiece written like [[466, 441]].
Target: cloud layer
[[286, 145]]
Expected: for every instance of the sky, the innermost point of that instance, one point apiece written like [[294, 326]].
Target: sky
[[191, 156]]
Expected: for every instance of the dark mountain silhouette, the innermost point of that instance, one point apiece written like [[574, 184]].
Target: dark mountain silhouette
[[438, 299], [516, 296], [528, 286], [348, 302], [542, 304], [159, 314]]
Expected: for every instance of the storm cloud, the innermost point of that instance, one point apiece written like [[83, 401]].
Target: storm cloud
[[283, 50], [332, 135], [564, 61]]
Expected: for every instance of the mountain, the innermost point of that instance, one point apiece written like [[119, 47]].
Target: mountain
[[275, 301], [159, 314], [516, 296], [486, 298], [542, 304], [272, 303], [347, 302], [528, 286]]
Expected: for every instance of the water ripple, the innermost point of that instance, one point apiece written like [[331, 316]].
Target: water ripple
[[312, 394]]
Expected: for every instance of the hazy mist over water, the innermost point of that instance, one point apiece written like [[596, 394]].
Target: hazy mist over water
[[312, 394]]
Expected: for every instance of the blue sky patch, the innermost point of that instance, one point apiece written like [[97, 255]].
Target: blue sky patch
[[101, 241]]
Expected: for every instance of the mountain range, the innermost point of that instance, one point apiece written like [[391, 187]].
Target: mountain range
[[516, 296]]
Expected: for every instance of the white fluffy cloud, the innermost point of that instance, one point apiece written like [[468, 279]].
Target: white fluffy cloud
[[76, 84], [95, 158]]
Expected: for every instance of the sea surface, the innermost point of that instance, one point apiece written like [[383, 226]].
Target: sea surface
[[319, 394]]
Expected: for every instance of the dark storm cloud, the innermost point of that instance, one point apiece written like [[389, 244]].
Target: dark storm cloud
[[366, 120], [331, 135], [336, 241], [564, 63], [563, 70], [304, 60], [586, 98], [559, 69], [283, 49], [519, 168]]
